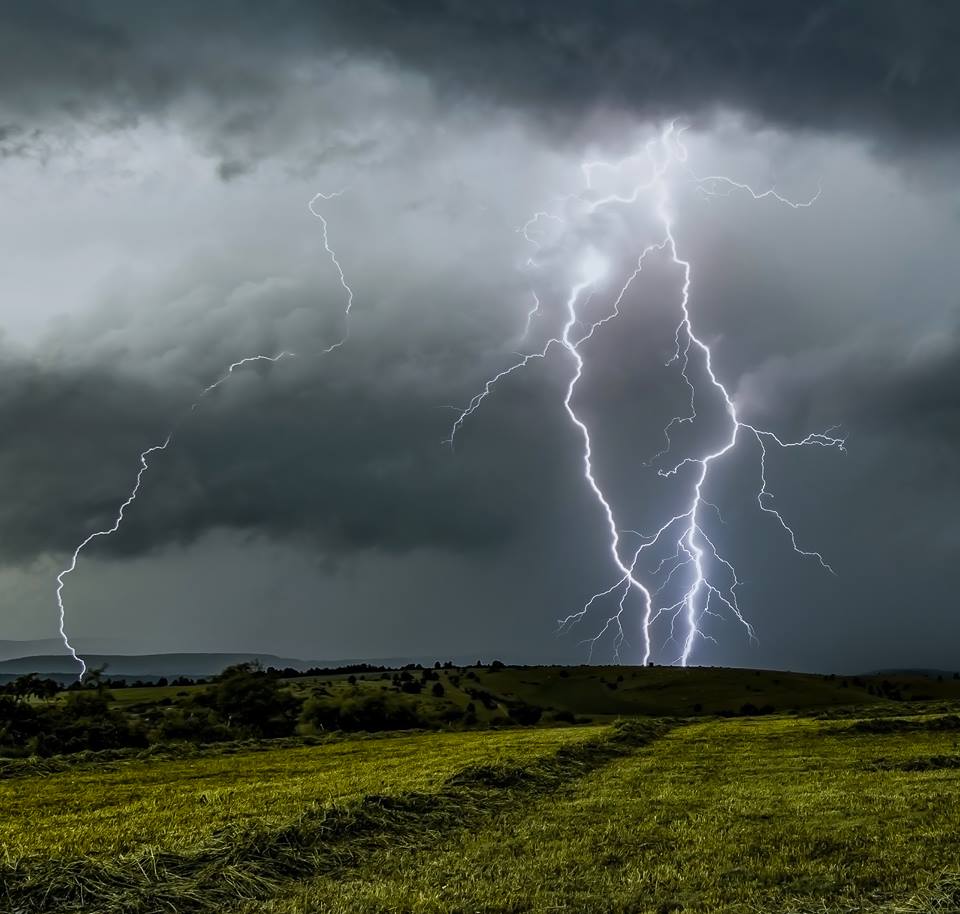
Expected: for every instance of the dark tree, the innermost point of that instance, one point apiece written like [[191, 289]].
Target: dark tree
[[248, 700]]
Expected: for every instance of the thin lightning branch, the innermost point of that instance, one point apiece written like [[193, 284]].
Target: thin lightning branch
[[227, 374], [531, 314], [711, 579], [239, 364], [144, 466], [530, 226], [131, 498], [333, 259]]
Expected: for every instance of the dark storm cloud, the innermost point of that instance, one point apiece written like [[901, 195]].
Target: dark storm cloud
[[883, 67], [344, 470], [882, 387], [878, 65]]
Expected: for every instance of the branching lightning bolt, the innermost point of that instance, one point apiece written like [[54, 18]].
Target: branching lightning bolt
[[227, 374], [711, 580]]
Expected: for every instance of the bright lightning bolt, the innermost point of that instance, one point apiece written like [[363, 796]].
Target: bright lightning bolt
[[227, 374], [711, 579]]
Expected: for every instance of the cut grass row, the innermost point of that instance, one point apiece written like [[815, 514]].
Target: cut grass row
[[723, 817], [258, 861], [175, 803]]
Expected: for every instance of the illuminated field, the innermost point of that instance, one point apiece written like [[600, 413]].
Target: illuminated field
[[852, 810], [732, 816], [172, 804]]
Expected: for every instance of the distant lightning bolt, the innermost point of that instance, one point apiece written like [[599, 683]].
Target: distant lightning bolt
[[227, 374], [335, 261], [694, 552], [144, 466], [233, 366], [131, 498]]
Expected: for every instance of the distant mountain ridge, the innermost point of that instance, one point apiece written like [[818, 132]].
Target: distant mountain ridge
[[148, 665], [13, 649]]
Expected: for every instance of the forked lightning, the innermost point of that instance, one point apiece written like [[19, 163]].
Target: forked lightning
[[709, 581]]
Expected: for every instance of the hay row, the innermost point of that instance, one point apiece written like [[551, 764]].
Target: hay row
[[249, 864]]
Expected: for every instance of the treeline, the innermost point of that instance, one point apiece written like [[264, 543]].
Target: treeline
[[33, 723]]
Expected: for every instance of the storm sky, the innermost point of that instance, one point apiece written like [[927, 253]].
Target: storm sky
[[156, 162]]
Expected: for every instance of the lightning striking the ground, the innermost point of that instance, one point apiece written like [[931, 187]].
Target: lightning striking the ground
[[153, 449], [701, 582]]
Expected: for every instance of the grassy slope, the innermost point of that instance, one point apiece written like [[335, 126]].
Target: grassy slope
[[171, 804], [726, 816], [657, 691], [678, 691]]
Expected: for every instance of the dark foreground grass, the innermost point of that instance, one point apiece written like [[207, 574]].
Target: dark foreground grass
[[252, 863]]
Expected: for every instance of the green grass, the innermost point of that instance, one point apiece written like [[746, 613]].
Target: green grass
[[695, 690], [732, 816], [239, 863], [153, 694], [852, 804], [171, 804]]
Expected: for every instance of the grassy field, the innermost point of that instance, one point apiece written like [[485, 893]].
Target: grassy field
[[852, 805], [128, 806], [731, 816]]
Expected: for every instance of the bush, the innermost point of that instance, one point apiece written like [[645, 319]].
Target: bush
[[84, 720], [372, 713], [195, 725], [525, 714], [248, 700]]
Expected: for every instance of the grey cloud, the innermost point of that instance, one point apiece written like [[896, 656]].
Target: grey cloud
[[249, 78], [261, 463], [875, 65], [888, 388]]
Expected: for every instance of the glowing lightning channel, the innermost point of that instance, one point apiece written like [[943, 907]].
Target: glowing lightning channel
[[227, 374], [694, 552]]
